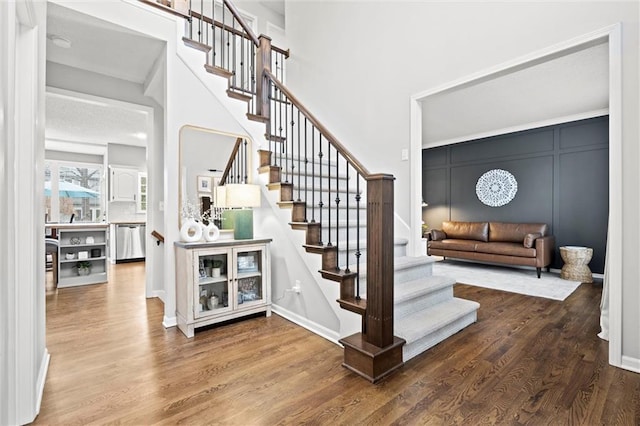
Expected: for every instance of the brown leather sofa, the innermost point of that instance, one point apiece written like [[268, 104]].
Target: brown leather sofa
[[525, 244]]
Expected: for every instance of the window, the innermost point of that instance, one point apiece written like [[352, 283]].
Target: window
[[73, 191]]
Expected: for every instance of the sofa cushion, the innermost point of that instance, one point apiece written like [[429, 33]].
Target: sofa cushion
[[452, 244], [506, 249], [467, 230], [530, 239], [438, 235], [514, 232]]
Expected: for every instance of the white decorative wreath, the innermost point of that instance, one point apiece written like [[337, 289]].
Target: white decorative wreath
[[496, 188]]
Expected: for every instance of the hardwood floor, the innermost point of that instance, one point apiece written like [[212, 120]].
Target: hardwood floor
[[526, 361]]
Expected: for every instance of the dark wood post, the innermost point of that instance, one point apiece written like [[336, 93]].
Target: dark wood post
[[262, 80], [379, 317], [376, 352]]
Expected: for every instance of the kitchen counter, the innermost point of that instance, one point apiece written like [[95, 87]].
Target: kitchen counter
[[128, 222], [77, 225]]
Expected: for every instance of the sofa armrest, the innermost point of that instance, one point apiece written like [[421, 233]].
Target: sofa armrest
[[545, 247]]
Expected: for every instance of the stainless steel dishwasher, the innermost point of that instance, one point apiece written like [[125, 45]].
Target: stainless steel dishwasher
[[130, 242]]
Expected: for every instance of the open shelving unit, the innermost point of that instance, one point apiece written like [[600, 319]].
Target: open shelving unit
[[82, 245]]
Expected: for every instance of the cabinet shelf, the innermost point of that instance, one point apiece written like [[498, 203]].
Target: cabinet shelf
[[91, 259], [74, 246], [211, 280]]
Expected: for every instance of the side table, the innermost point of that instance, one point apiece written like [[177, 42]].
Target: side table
[[576, 261]]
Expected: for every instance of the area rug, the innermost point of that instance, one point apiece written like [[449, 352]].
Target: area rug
[[514, 280]]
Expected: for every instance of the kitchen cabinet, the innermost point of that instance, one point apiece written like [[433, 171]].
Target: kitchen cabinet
[[220, 281], [82, 257], [141, 199], [123, 184]]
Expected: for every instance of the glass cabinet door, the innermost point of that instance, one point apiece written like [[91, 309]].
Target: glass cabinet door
[[213, 273], [249, 279]]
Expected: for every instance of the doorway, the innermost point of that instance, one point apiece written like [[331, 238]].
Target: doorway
[[613, 272]]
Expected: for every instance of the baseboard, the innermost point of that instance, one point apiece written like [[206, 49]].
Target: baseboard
[[169, 321], [42, 377], [313, 327], [159, 294], [631, 364]]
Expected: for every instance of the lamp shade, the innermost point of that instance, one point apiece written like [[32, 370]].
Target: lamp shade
[[221, 196], [241, 195]]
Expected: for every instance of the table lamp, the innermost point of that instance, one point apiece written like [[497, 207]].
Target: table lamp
[[238, 198]]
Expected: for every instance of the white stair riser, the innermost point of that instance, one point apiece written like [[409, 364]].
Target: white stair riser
[[412, 349], [407, 307]]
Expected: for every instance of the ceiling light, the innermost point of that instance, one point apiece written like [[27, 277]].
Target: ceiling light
[[139, 135], [59, 41]]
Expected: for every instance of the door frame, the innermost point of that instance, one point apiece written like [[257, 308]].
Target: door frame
[[613, 275]]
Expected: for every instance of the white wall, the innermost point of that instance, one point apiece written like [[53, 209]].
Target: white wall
[[23, 355], [356, 71]]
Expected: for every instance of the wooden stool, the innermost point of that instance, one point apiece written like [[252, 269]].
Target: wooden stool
[[575, 267]]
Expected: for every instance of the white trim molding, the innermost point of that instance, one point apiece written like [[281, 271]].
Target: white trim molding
[[613, 35], [631, 364], [330, 335]]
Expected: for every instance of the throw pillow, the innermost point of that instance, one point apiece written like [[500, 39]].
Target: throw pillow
[[438, 235], [530, 239]]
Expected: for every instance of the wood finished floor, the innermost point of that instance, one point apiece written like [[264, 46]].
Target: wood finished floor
[[526, 361]]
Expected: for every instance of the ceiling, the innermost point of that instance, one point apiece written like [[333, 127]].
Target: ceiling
[[570, 85], [104, 48]]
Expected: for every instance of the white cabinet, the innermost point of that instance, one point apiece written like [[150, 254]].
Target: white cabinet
[[219, 281], [123, 184], [82, 257]]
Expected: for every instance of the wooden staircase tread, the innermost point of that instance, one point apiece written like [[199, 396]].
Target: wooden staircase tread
[[196, 44], [259, 118], [240, 96], [289, 204], [274, 138], [358, 306], [218, 71], [337, 275]]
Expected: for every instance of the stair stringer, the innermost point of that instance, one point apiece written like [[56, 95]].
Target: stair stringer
[[349, 322], [195, 60]]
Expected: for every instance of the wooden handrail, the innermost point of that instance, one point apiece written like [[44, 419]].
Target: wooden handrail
[[232, 157], [323, 130], [248, 35], [165, 8], [219, 25], [158, 236], [243, 24]]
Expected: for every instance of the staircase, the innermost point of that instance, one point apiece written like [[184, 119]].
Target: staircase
[[345, 211]]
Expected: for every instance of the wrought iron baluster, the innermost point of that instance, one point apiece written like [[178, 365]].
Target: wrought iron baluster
[[306, 172], [190, 20], [346, 256], [200, 21], [358, 253], [299, 156], [222, 34], [242, 60], [320, 204], [291, 153], [328, 192], [313, 174], [245, 162], [233, 53], [338, 203]]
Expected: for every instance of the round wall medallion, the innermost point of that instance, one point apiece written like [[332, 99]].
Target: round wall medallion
[[496, 188]]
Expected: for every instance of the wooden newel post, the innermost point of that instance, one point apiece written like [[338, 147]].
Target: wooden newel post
[[379, 316], [262, 81], [376, 352]]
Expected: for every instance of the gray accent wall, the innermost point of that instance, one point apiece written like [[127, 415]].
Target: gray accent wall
[[563, 180]]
